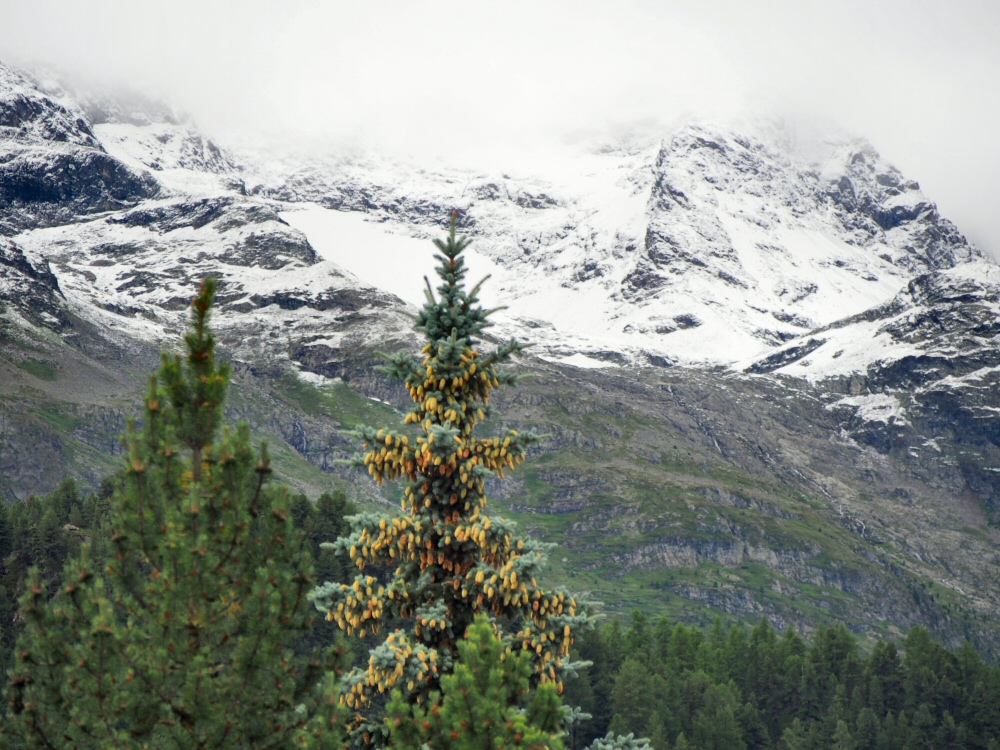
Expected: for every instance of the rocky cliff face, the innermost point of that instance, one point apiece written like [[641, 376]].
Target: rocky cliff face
[[826, 450], [32, 291], [53, 170], [30, 115], [918, 374]]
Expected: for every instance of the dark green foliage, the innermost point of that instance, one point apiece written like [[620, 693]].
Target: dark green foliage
[[319, 523], [635, 694], [180, 638], [332, 511], [40, 532], [486, 703], [756, 689], [715, 726], [20, 528]]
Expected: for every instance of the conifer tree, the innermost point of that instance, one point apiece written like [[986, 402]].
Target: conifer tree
[[656, 732], [484, 704], [451, 561], [180, 640], [866, 731]]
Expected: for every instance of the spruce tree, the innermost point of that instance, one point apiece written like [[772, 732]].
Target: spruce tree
[[450, 561], [179, 641]]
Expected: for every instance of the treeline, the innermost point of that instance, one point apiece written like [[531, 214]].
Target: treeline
[[738, 689], [44, 532]]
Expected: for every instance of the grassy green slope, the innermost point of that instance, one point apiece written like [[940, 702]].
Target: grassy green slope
[[680, 493]]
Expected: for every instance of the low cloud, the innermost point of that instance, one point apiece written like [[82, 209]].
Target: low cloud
[[491, 81]]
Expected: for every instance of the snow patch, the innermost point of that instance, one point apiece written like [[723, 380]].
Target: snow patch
[[875, 407], [314, 378], [379, 257], [581, 360]]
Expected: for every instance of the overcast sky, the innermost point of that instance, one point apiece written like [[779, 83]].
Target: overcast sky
[[919, 79]]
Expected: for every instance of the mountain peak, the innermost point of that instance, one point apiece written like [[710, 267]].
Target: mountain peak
[[29, 115]]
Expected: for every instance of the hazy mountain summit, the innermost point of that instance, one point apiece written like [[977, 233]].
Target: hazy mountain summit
[[709, 245], [712, 244]]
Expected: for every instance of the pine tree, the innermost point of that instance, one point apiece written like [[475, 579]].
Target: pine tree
[[795, 737], [485, 704], [866, 731], [332, 510], [843, 739], [8, 606], [715, 726], [179, 642], [451, 561], [635, 695], [656, 732]]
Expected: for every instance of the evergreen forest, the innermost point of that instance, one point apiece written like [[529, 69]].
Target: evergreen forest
[[719, 686]]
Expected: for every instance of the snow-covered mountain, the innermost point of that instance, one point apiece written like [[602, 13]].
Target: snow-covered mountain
[[755, 246], [708, 246], [761, 304]]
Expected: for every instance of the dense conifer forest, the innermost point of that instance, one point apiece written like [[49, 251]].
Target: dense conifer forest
[[680, 685], [741, 687]]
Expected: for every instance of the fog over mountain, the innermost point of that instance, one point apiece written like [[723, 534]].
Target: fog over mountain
[[504, 83]]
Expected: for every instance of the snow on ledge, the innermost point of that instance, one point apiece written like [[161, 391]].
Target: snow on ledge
[[580, 360], [314, 378], [875, 407]]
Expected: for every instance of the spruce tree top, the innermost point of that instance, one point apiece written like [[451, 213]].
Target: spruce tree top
[[452, 373], [455, 313]]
